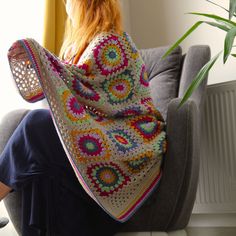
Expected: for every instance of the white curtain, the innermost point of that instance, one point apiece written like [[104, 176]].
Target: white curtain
[[18, 19]]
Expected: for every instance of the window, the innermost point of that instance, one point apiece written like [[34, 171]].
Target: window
[[18, 20]]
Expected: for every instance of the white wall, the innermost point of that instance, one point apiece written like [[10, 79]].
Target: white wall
[[125, 4], [17, 24], [153, 23]]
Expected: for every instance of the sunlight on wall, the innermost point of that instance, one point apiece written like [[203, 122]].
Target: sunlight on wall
[[18, 19]]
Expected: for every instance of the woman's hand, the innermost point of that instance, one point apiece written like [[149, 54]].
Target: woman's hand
[[17, 52]]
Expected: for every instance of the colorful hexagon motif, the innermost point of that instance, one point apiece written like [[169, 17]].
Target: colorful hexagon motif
[[74, 111], [107, 178], [134, 51], [90, 145], [147, 126], [144, 77], [100, 119], [84, 68], [138, 163], [122, 140], [110, 56], [120, 88], [54, 63], [148, 103], [162, 144], [85, 90], [130, 111]]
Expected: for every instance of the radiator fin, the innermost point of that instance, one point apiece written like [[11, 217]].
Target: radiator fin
[[217, 180]]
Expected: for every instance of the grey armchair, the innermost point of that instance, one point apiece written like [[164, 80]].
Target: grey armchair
[[169, 207]]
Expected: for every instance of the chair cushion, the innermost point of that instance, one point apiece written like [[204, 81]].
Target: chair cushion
[[164, 75]]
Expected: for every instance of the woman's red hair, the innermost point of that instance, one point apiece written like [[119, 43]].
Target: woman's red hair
[[91, 17]]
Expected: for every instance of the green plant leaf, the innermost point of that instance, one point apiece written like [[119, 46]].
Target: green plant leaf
[[234, 55], [215, 17], [175, 45], [199, 78], [217, 5], [178, 42], [220, 26], [232, 8], [229, 40]]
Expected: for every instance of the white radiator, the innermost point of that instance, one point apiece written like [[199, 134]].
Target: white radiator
[[217, 180]]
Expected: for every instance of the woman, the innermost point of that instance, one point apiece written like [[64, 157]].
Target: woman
[[94, 157]]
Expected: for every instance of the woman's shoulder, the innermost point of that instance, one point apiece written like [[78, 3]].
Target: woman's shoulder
[[112, 42], [121, 39], [113, 35]]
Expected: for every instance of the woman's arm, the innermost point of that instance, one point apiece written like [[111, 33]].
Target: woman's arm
[[24, 73]]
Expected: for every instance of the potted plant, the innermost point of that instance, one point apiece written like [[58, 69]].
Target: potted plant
[[226, 24]]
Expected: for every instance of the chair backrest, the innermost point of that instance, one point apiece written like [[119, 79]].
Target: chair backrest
[[169, 78], [196, 57], [164, 75]]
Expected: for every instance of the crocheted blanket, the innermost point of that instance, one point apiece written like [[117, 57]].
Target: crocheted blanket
[[101, 107]]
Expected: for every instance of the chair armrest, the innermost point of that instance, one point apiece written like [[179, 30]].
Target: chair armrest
[[177, 191], [196, 57], [9, 123], [13, 201], [183, 158], [169, 207]]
